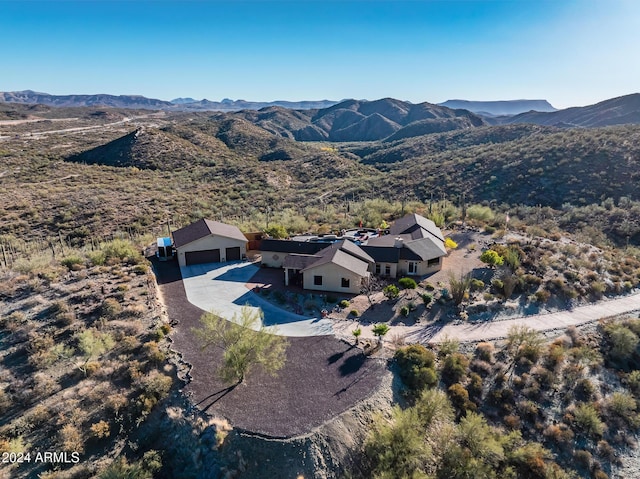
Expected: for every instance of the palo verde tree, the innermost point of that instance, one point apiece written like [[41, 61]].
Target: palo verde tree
[[245, 342]]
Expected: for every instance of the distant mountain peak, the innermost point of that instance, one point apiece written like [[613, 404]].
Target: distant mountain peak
[[500, 107]]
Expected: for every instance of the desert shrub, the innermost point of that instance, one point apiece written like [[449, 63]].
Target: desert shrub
[[354, 312], [450, 244], [404, 311], [476, 284], [344, 303], [143, 469], [427, 298], [475, 387], [100, 429], [407, 283], [155, 387], [459, 398], [481, 367], [141, 269], [587, 419], [512, 422], [71, 439], [97, 258], [154, 353], [391, 291], [121, 250], [555, 355], [582, 458], [623, 342], [559, 433], [633, 381], [416, 366], [480, 213], [542, 295], [484, 351], [491, 258], [393, 447], [72, 262], [623, 405], [584, 390], [110, 308], [454, 368]]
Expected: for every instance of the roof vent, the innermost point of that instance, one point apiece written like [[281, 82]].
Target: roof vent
[[398, 243]]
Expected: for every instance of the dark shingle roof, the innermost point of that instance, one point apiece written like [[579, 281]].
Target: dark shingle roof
[[413, 222], [204, 227], [383, 254], [288, 246], [299, 261]]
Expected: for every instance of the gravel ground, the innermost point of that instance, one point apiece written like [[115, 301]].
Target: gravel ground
[[323, 376]]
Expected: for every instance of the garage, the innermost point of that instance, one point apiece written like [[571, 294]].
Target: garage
[[205, 256], [233, 254], [207, 241]]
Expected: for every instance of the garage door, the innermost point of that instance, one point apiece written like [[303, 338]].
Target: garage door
[[204, 256], [233, 253]]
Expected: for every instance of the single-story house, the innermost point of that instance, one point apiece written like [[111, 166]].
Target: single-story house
[[207, 241], [340, 267]]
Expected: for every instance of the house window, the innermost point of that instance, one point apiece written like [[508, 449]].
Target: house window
[[387, 270], [317, 280], [345, 282], [433, 262], [378, 268], [413, 267]]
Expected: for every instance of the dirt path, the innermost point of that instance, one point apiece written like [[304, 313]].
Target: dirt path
[[491, 330]]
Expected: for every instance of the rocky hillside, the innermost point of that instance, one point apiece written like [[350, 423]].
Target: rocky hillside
[[616, 111], [359, 120]]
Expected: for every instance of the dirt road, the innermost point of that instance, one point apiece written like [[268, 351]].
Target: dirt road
[[492, 330]]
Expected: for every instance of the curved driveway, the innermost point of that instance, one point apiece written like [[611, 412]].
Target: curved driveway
[[220, 287]]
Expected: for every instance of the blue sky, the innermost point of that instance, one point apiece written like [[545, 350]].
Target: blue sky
[[570, 52]]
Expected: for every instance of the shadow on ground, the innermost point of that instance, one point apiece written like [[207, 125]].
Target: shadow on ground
[[322, 376]]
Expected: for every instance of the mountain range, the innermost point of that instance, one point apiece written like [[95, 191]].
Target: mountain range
[[498, 108], [386, 119]]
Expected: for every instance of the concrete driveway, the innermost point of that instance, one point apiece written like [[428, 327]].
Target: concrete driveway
[[220, 287]]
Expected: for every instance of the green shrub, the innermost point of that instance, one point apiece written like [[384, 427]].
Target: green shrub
[[459, 397], [110, 308], [476, 284], [391, 291], [344, 303], [491, 258], [407, 283], [416, 366], [404, 311], [454, 368], [427, 298], [72, 262], [588, 420], [354, 312]]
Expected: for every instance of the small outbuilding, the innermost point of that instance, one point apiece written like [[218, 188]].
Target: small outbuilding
[[207, 241]]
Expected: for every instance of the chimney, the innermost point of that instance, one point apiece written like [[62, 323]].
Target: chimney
[[399, 243]]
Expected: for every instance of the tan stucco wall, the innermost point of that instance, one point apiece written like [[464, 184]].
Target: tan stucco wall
[[269, 260], [423, 269], [332, 279], [394, 269], [211, 242]]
